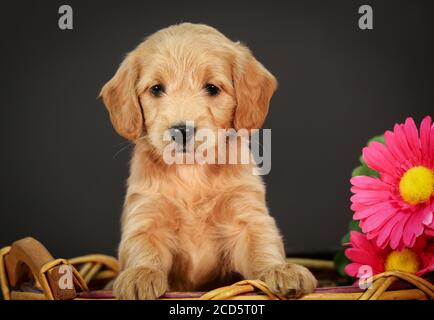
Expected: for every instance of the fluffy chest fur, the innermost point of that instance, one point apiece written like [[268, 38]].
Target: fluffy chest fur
[[191, 214], [197, 232]]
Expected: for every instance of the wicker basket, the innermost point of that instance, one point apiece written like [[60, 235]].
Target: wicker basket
[[29, 272]]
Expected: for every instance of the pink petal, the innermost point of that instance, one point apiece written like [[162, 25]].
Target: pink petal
[[414, 227], [425, 128], [375, 221], [378, 158], [428, 217], [364, 252], [358, 240], [361, 256], [431, 143], [368, 197], [369, 183], [370, 210], [402, 140], [383, 236], [352, 269], [356, 206], [393, 146], [412, 137], [397, 232]]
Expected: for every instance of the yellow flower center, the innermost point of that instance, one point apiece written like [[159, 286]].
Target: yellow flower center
[[417, 185], [405, 260]]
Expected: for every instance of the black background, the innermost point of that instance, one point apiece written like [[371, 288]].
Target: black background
[[63, 168]]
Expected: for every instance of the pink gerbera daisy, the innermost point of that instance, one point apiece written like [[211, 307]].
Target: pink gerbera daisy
[[363, 252], [398, 207]]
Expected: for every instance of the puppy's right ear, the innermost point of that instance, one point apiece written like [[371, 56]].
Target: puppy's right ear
[[122, 102]]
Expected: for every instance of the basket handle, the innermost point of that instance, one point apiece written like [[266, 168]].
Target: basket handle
[[28, 254]]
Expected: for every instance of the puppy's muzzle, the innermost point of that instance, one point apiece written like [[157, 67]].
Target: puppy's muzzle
[[182, 133]]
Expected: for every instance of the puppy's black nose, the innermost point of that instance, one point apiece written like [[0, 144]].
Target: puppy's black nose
[[183, 131]]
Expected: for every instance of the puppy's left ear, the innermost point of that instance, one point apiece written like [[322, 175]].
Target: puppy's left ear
[[254, 86]]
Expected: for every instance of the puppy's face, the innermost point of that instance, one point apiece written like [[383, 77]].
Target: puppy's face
[[186, 86], [187, 76]]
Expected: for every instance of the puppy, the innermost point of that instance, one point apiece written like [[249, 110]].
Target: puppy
[[193, 226]]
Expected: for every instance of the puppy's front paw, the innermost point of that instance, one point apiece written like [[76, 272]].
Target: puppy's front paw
[[140, 284], [289, 280]]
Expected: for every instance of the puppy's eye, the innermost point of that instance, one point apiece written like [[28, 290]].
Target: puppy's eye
[[157, 90], [211, 89]]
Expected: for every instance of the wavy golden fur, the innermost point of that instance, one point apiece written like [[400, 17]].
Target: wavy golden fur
[[193, 227]]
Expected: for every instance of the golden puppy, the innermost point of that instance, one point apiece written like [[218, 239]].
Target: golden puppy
[[193, 227]]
